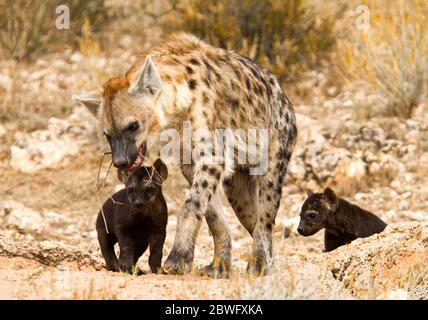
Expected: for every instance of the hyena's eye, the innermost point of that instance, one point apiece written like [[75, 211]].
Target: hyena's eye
[[132, 127], [108, 137]]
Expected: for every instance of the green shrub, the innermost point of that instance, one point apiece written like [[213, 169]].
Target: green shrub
[[27, 27], [284, 35]]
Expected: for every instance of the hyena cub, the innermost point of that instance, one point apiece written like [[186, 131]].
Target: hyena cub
[[135, 217], [343, 221]]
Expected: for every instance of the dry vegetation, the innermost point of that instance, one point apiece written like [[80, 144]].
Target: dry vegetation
[[360, 96]]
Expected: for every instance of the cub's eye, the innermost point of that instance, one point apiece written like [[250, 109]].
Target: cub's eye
[[150, 189], [132, 127], [130, 190], [312, 215]]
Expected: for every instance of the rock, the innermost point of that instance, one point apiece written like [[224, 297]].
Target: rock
[[50, 253], [290, 226], [52, 146], [16, 216]]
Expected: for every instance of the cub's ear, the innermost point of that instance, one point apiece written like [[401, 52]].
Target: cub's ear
[[330, 195], [161, 172], [91, 100], [148, 82], [309, 193]]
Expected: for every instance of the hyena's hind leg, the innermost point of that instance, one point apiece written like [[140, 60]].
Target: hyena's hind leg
[[242, 194], [269, 197], [221, 265]]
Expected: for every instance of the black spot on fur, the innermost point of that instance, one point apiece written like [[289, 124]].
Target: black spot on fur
[[248, 83], [238, 73], [189, 70], [192, 84], [207, 83], [227, 182], [212, 171], [194, 62], [268, 197], [205, 184], [204, 167], [205, 98]]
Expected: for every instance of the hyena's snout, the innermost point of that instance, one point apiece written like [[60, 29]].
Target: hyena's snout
[[127, 156]]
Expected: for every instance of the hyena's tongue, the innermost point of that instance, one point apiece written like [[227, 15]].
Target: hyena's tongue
[[137, 163]]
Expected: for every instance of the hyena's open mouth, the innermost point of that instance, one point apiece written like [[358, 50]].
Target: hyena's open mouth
[[139, 159]]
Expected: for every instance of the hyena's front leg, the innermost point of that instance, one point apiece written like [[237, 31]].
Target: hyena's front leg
[[205, 181]]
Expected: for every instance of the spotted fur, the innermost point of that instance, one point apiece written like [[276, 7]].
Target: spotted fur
[[211, 88]]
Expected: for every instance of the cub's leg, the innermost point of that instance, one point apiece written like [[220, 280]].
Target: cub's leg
[[126, 256], [138, 252], [107, 242], [157, 239], [332, 241], [203, 186]]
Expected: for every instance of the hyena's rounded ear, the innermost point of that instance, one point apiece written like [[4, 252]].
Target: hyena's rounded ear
[[309, 193], [148, 82], [91, 100], [330, 195], [161, 171]]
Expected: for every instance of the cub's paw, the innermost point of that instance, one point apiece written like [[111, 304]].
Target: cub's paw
[[179, 262], [159, 270], [126, 266]]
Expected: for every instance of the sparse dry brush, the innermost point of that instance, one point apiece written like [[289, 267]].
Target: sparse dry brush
[[27, 27], [284, 35], [390, 58]]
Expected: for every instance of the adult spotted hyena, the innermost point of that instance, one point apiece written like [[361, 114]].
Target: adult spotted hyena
[[184, 79]]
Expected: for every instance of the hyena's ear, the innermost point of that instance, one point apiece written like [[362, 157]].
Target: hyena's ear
[[148, 82], [309, 193], [331, 196], [91, 100], [161, 172]]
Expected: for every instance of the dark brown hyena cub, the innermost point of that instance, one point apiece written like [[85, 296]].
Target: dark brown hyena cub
[[343, 221], [136, 218]]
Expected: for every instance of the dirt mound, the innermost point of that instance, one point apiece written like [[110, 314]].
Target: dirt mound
[[387, 260]]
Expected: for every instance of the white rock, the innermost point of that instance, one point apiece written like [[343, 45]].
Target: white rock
[[2, 131], [52, 146]]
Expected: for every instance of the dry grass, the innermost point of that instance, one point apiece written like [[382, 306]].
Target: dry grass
[[27, 27], [390, 57]]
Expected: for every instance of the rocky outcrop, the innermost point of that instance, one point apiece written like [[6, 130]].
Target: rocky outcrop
[[51, 147], [49, 253]]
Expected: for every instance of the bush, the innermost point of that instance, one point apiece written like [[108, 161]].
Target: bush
[[391, 56], [27, 27], [284, 35]]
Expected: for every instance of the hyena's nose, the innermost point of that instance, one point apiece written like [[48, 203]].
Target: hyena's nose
[[120, 162]]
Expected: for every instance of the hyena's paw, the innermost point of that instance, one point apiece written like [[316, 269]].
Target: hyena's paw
[[257, 266], [221, 271], [179, 262]]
